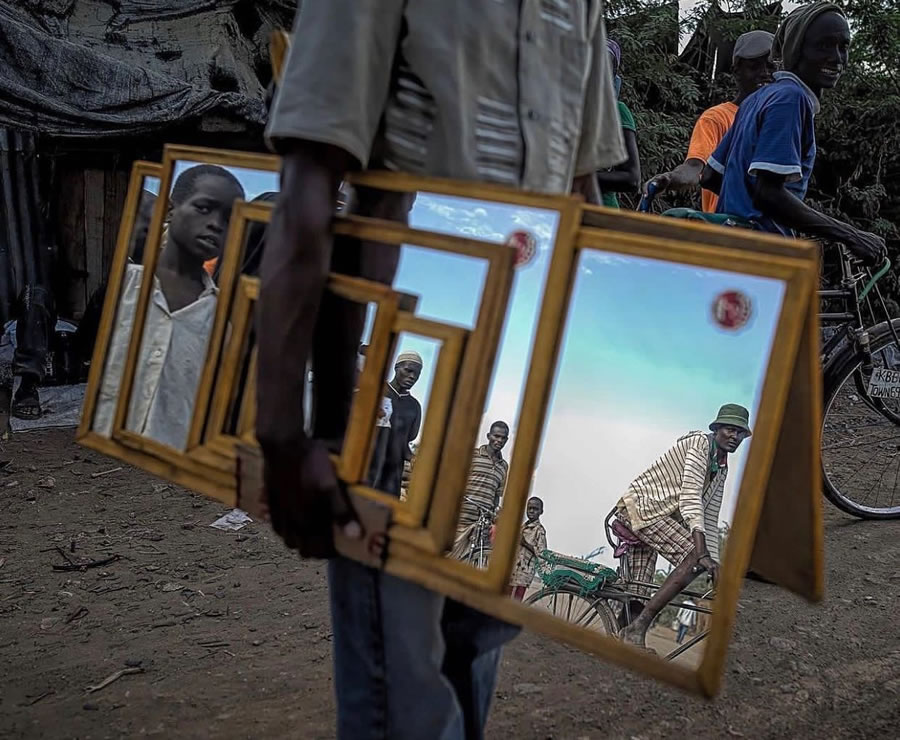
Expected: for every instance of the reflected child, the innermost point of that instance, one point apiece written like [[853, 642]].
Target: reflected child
[[180, 314], [199, 211], [532, 542]]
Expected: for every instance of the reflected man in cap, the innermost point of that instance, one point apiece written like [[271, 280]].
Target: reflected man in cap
[[392, 445], [752, 67], [672, 509]]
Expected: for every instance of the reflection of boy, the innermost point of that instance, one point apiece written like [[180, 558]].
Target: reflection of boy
[[180, 314], [531, 544], [392, 443], [670, 508]]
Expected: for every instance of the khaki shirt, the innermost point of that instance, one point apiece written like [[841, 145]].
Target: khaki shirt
[[171, 359], [515, 92]]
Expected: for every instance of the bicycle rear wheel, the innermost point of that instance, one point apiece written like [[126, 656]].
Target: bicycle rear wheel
[[861, 434], [567, 602]]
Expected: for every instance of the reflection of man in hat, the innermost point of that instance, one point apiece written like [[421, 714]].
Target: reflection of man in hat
[[671, 508], [392, 444]]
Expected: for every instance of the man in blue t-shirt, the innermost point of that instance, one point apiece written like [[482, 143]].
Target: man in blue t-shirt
[[761, 169]]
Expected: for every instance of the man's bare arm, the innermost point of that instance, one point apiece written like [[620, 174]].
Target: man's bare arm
[[772, 198], [683, 177], [627, 176], [304, 496]]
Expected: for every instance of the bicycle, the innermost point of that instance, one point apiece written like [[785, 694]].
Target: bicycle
[[477, 553], [860, 357], [595, 597]]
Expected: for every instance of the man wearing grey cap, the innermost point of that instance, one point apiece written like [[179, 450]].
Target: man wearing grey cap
[[752, 68]]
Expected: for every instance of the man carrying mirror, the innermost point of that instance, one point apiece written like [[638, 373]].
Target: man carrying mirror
[[410, 87]]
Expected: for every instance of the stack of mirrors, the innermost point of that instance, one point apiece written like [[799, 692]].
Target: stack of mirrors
[[530, 346]]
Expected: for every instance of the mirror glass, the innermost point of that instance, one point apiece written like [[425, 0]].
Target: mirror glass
[[532, 232], [121, 332], [659, 378], [184, 296]]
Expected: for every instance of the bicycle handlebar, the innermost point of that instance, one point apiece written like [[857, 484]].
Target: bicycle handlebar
[[647, 199], [882, 271]]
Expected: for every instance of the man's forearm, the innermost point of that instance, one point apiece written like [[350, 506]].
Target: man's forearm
[[618, 181], [711, 180], [293, 274], [785, 208], [699, 538], [686, 175]]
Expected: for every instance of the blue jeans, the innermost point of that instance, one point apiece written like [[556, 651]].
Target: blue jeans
[[408, 663]]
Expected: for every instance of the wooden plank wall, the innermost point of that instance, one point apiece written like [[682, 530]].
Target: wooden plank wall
[[88, 208]]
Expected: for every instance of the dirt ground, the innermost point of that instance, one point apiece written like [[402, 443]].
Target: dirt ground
[[232, 631]]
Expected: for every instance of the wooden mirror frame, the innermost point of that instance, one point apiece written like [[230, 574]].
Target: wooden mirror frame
[[416, 553]]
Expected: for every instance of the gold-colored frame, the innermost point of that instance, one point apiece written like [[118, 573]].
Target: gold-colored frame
[[477, 346], [177, 458], [791, 391], [352, 463], [793, 359], [199, 478], [229, 293], [453, 339], [790, 556], [140, 171], [227, 391], [465, 416]]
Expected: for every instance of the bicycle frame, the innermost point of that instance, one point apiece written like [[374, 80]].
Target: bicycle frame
[[852, 322], [627, 596], [476, 543]]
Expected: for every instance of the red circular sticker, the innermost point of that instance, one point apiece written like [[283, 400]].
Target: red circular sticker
[[525, 245], [731, 309]]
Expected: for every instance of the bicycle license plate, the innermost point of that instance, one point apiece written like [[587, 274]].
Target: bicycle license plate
[[884, 383]]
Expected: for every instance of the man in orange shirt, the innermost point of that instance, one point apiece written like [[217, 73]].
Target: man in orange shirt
[[752, 68]]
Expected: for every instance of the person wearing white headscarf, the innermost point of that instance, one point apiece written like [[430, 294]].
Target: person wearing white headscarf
[[392, 443]]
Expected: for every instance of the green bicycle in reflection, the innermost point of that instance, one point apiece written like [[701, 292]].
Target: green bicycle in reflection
[[598, 598]]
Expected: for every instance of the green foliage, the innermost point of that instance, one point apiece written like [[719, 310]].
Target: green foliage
[[857, 176]]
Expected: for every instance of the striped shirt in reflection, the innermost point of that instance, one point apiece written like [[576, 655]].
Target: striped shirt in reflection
[[680, 485], [487, 479]]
